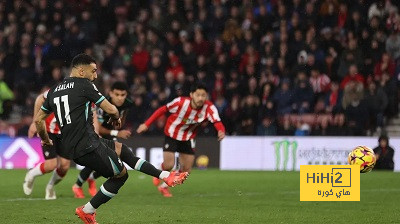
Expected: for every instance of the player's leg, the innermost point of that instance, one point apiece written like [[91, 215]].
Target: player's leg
[[186, 162], [62, 167], [186, 155], [105, 161], [167, 165], [82, 177], [170, 147], [57, 176], [143, 166], [47, 166]]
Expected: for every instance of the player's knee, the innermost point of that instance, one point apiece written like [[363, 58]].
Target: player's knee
[[64, 166], [51, 164]]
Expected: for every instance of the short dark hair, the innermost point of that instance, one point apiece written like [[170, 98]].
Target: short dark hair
[[198, 85], [119, 86], [82, 59]]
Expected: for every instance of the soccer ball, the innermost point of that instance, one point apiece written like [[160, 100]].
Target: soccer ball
[[202, 162], [364, 157]]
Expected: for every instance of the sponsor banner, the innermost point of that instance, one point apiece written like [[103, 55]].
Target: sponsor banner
[[288, 153], [20, 153], [329, 183]]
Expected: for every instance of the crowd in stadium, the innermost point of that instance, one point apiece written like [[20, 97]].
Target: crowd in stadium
[[272, 67]]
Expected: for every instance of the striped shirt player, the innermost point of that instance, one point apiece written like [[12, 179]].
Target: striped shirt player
[[184, 121], [187, 114]]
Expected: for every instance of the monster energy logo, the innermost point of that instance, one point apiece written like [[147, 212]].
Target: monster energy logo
[[286, 146]]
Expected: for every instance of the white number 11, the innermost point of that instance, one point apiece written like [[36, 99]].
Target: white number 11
[[64, 99]]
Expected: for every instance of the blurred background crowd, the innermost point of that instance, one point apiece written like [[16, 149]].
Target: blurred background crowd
[[272, 67]]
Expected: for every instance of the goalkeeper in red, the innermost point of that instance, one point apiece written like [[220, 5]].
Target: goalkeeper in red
[[187, 115]]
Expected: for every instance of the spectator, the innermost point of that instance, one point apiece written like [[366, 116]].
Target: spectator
[[322, 128], [377, 102], [140, 59], [384, 154], [393, 45], [333, 98], [249, 115], [303, 97], [286, 128], [232, 115], [353, 76], [386, 65], [338, 127], [356, 116], [6, 96], [390, 87], [175, 69], [267, 127], [283, 99], [319, 82]]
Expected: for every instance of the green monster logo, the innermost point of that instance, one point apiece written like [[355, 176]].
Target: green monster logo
[[286, 146]]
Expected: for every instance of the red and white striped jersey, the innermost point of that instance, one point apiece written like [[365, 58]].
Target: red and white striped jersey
[[184, 120], [51, 121]]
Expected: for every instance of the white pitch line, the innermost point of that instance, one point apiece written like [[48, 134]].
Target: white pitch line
[[25, 199]]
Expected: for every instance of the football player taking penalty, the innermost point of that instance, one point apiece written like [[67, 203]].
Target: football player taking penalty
[[70, 102]]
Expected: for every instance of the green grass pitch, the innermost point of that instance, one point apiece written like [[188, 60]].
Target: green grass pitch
[[209, 196]]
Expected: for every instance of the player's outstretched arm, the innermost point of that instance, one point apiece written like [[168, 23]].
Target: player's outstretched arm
[[158, 113], [142, 128]]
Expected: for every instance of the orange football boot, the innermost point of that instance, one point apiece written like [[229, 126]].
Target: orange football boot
[[78, 192], [175, 178], [92, 187], [86, 217]]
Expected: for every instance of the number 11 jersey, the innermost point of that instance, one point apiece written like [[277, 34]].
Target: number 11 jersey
[[71, 101]]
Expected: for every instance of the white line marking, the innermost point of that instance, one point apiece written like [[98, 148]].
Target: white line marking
[[25, 199]]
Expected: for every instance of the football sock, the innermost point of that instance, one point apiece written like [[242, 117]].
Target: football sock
[[137, 163], [38, 170], [88, 208], [56, 177], [83, 176], [164, 174], [107, 191]]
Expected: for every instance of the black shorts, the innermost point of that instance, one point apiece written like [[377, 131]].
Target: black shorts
[[102, 159], [57, 149], [173, 145]]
